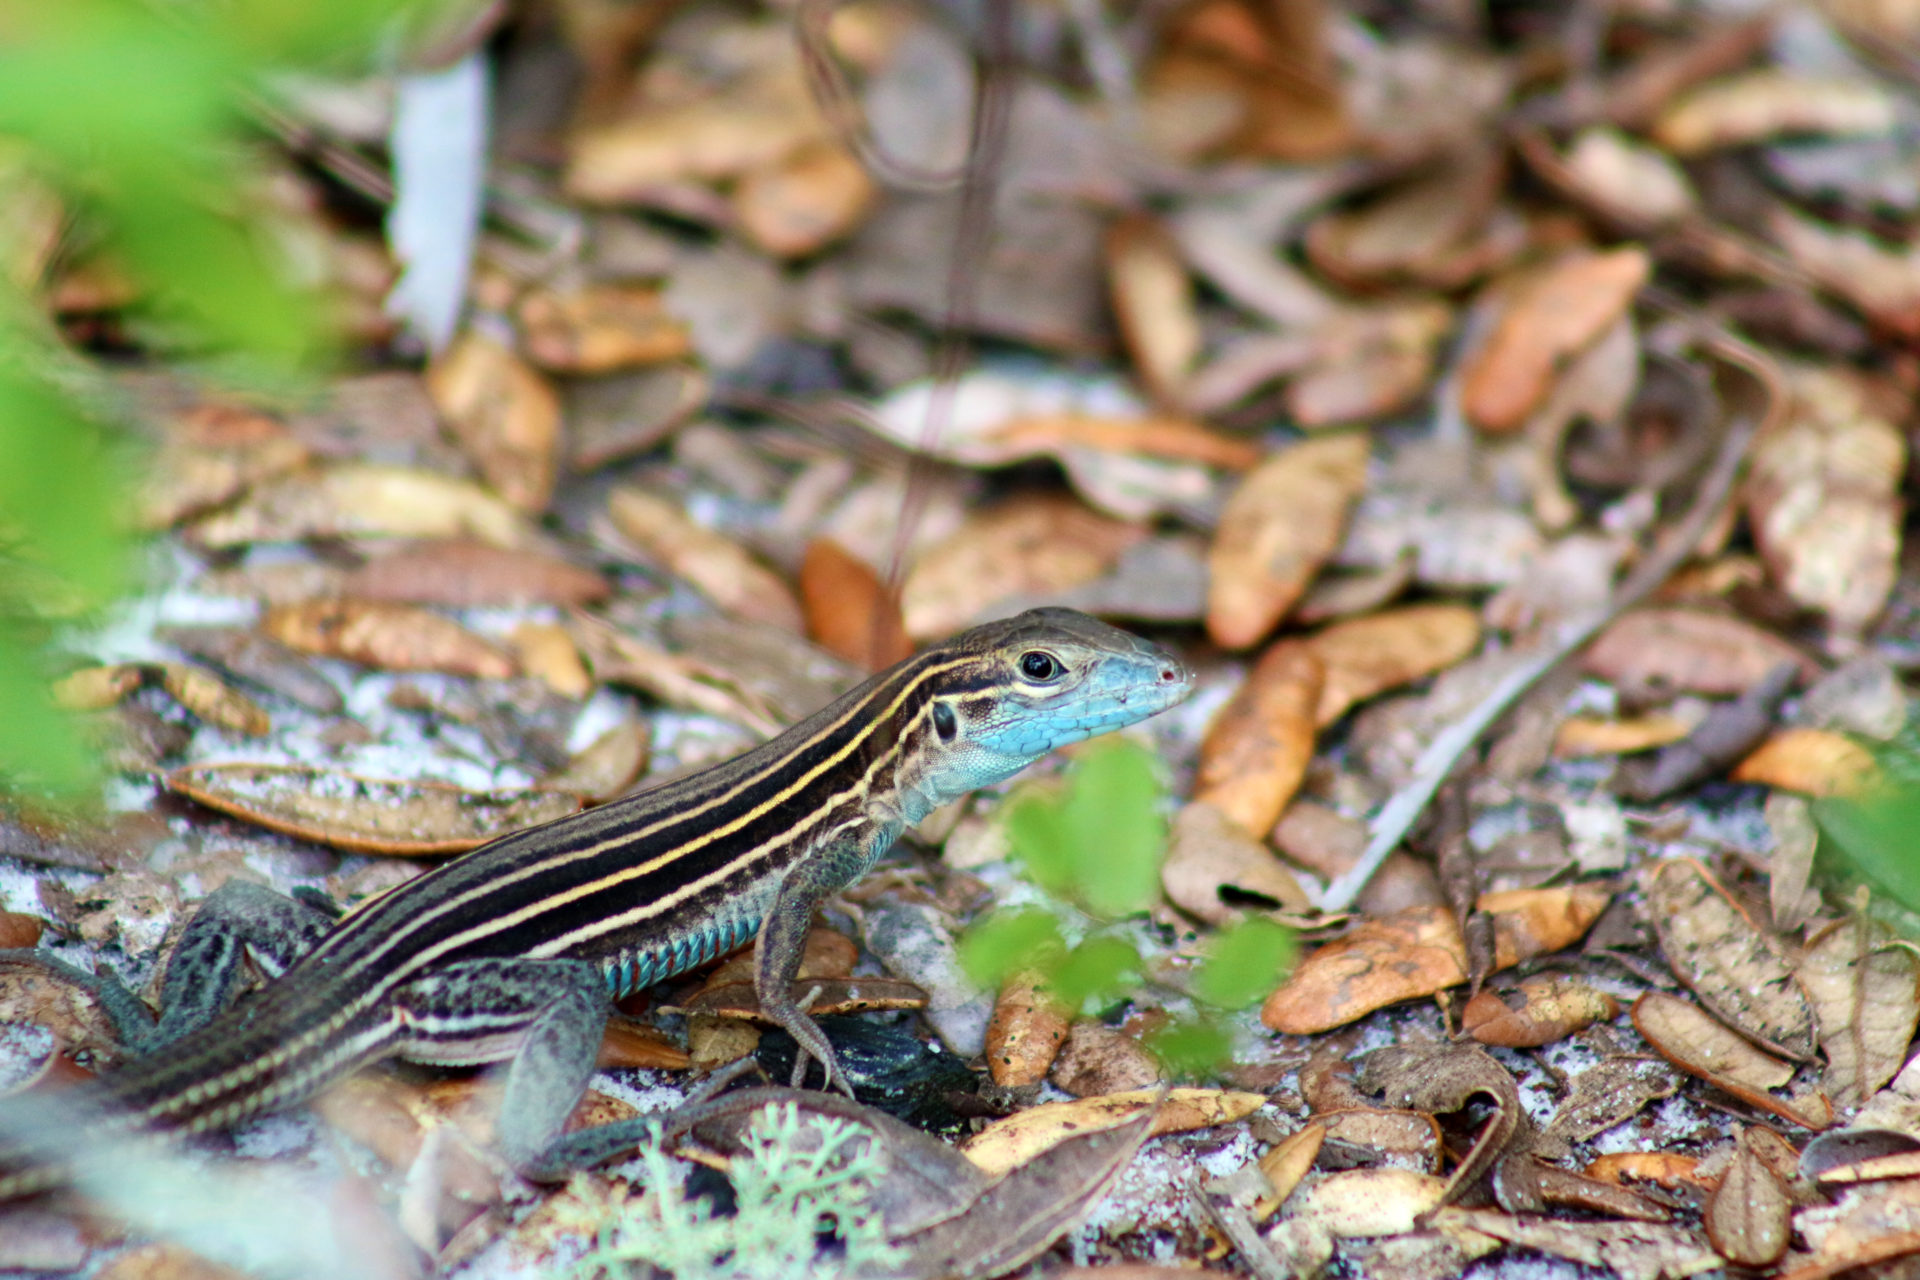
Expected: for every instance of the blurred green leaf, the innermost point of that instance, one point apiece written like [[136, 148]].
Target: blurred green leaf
[[1879, 835], [1098, 839], [1190, 1048], [1099, 968], [1011, 942], [1245, 961]]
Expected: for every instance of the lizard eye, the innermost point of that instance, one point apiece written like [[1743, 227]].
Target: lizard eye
[[1038, 666], [945, 723]]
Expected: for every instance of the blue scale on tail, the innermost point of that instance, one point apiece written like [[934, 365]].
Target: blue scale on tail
[[626, 974]]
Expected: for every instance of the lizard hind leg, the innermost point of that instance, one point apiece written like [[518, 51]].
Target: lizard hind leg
[[544, 1018]]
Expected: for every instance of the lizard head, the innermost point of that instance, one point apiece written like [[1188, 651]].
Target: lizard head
[[1008, 692]]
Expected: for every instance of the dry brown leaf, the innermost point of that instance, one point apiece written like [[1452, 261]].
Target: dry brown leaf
[[19, 930], [1881, 281], [601, 328], [1865, 991], [1368, 362], [1770, 102], [1419, 951], [1208, 852], [1285, 1164], [214, 453], [97, 688], [1736, 967], [211, 699], [1365, 657], [467, 575], [1279, 527], [1100, 1060], [1259, 745], [1749, 1216], [367, 815], [1617, 172], [675, 679], [1823, 498], [1172, 439], [1012, 1141], [392, 637], [634, 1045], [1683, 1034], [805, 201], [365, 500], [1667, 1169], [831, 997], [721, 569], [1542, 1011], [609, 765], [1656, 650], [1545, 321], [1035, 545], [1580, 736], [1153, 299], [1443, 228], [546, 652], [504, 414], [1025, 1033], [723, 136], [849, 610], [1814, 762]]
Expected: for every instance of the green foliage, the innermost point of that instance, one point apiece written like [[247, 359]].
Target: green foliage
[[132, 111], [1877, 833], [1096, 843], [801, 1179]]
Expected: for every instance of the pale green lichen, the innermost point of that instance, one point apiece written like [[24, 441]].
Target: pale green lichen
[[802, 1190]]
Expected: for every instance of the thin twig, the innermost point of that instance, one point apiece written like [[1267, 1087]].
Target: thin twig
[[1399, 814]]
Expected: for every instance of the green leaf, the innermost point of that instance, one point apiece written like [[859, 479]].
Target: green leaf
[[1010, 942], [38, 743], [1879, 834], [1190, 1048], [1099, 839], [1245, 962], [1099, 968]]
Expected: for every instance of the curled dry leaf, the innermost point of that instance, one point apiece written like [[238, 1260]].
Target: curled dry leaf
[[1814, 762], [19, 930], [1545, 321], [1615, 172], [1384, 1136], [634, 1045], [1012, 1141], [601, 328], [1542, 1011], [1444, 227], [504, 414], [1881, 282], [1368, 362], [1352, 1203], [35, 993], [1285, 1164], [1735, 967], [804, 201], [1611, 1091], [1420, 951], [1100, 1060], [1035, 545], [1281, 524], [1025, 1033], [467, 575], [1259, 745], [1365, 657], [1823, 498], [848, 608], [365, 500], [1153, 300], [1210, 855], [212, 455], [831, 996], [367, 815], [1580, 736], [1667, 1169], [1865, 992], [721, 569], [1757, 105], [391, 637], [1673, 649], [1683, 1033]]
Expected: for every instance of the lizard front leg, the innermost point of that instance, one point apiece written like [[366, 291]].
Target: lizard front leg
[[783, 936]]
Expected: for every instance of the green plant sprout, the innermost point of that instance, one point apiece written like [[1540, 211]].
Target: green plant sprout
[[155, 173], [800, 1181], [1096, 843]]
